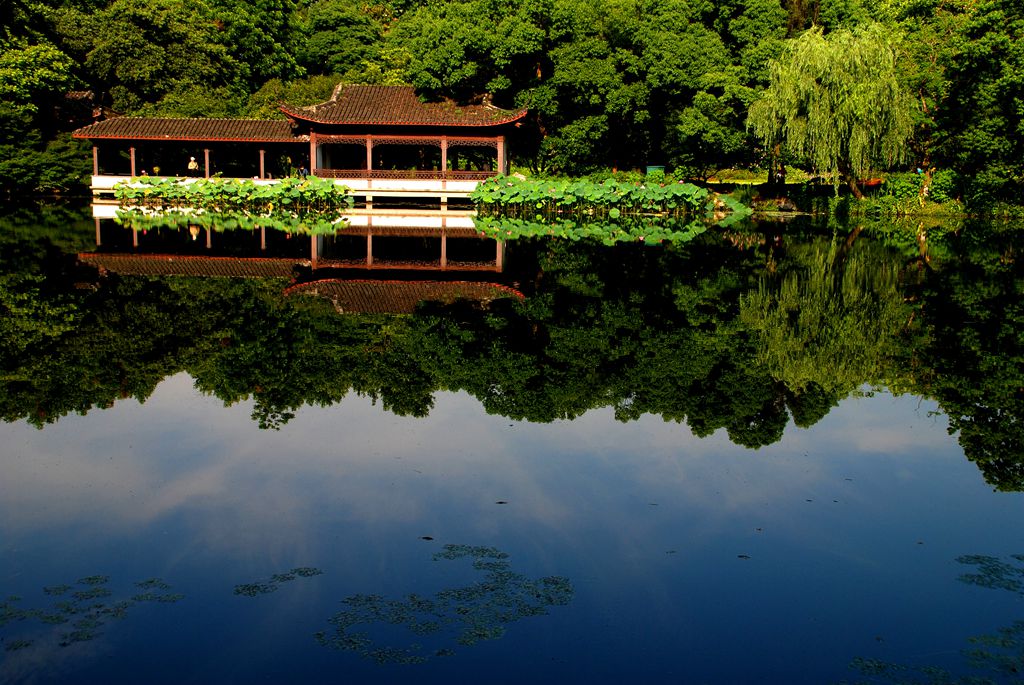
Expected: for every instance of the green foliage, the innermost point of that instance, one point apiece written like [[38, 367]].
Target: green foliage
[[531, 195], [831, 320], [945, 186], [288, 199], [709, 134], [265, 103], [903, 186], [982, 121], [720, 330], [650, 231], [814, 111], [338, 38], [219, 222], [473, 613], [609, 83], [143, 50], [257, 35], [29, 73], [975, 352], [197, 101], [466, 49]]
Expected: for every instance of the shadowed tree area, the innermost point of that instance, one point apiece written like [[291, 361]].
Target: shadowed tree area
[[975, 352]]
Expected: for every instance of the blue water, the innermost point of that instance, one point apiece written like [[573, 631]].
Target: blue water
[[681, 559]]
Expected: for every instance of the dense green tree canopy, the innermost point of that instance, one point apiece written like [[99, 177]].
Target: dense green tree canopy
[[982, 123], [842, 87], [837, 102], [143, 51]]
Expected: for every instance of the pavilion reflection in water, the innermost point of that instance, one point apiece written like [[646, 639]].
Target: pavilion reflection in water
[[379, 261]]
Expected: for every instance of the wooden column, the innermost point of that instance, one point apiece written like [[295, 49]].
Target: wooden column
[[369, 248], [263, 237], [501, 155], [206, 162], [98, 241], [263, 166], [135, 238], [369, 167], [499, 255], [444, 161], [131, 155], [314, 251], [209, 236], [444, 249], [95, 161], [313, 166]]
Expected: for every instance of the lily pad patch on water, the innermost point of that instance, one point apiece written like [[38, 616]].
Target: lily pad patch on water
[[369, 624], [79, 607], [275, 581]]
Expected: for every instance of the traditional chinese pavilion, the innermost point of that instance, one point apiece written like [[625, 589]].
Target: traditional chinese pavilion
[[377, 140]]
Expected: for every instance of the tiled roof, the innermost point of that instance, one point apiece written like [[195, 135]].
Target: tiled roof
[[398, 105], [176, 265], [243, 130], [398, 297]]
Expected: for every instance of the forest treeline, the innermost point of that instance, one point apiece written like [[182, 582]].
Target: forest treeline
[[835, 87]]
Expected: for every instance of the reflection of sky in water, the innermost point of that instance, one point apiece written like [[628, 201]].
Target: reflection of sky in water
[[851, 529]]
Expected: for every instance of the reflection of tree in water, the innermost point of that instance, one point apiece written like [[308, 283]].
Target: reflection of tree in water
[[998, 658], [832, 318], [974, 360], [79, 606], [467, 614], [702, 335]]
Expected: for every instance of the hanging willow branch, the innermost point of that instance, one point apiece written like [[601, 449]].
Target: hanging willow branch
[[836, 102]]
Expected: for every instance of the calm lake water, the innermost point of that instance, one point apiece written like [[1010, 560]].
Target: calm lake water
[[788, 454]]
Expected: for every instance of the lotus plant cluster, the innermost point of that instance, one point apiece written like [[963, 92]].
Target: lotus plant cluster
[[307, 224], [515, 195], [290, 196]]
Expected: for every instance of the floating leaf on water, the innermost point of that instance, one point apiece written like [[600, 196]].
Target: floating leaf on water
[[271, 585], [254, 589], [17, 645], [993, 573], [152, 584], [467, 614], [91, 593], [93, 580], [307, 571], [53, 619], [56, 589]]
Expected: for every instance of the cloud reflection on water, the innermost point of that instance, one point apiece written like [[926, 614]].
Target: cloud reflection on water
[[130, 466]]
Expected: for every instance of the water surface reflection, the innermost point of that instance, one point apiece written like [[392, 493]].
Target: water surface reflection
[[800, 554], [551, 488]]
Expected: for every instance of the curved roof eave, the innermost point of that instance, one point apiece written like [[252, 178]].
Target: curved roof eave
[[186, 139]]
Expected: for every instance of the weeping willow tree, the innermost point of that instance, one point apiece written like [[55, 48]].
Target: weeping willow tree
[[833, 320], [836, 102]]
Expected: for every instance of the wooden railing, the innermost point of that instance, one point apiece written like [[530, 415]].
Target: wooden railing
[[411, 174]]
